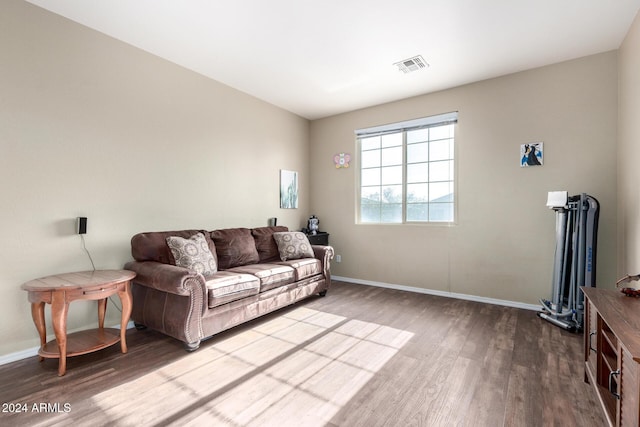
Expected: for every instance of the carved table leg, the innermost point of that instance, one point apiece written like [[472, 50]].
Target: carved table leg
[[37, 313], [59, 311], [102, 309], [126, 302]]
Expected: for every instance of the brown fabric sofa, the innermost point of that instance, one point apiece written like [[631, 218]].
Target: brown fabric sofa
[[251, 280]]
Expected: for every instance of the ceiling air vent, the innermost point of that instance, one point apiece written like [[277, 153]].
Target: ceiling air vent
[[412, 64]]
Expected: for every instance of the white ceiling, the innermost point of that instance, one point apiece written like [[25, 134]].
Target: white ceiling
[[319, 58]]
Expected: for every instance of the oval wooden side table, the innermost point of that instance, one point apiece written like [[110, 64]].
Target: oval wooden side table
[[60, 290]]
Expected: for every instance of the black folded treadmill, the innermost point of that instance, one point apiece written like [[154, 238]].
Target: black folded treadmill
[[574, 260]]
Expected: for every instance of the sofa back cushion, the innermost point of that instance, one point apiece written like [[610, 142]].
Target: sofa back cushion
[[265, 244], [153, 246], [234, 247]]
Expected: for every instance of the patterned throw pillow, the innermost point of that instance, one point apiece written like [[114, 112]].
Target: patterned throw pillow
[[293, 245], [193, 253]]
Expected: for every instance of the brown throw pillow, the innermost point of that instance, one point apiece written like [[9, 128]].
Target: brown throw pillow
[[293, 245], [266, 246], [193, 253], [235, 247]]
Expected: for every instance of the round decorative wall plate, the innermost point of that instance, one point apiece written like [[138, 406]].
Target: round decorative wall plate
[[342, 160]]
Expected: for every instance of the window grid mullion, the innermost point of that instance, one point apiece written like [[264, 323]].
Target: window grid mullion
[[428, 177], [404, 177], [380, 202]]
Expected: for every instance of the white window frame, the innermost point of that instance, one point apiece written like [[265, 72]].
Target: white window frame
[[403, 128]]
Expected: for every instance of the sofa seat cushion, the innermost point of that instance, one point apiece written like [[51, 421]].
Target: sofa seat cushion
[[305, 267], [227, 286], [270, 275]]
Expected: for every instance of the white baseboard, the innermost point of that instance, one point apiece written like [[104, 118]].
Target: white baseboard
[[485, 300], [19, 355], [30, 352]]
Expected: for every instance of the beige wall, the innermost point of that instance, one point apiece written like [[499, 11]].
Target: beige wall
[[629, 146], [503, 243], [92, 127]]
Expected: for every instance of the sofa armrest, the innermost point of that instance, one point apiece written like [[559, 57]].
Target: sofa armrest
[[325, 255], [166, 277], [169, 299]]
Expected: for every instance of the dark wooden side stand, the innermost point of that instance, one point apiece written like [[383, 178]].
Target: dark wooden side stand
[[321, 238], [59, 290], [612, 353]]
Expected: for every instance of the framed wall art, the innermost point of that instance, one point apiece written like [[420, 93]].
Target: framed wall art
[[531, 154], [288, 189]]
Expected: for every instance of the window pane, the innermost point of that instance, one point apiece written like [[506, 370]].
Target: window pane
[[369, 195], [417, 212], [392, 140], [370, 176], [407, 176], [441, 171], [392, 175], [392, 194], [441, 212], [370, 213], [417, 193], [419, 135], [441, 132], [392, 156], [441, 192], [418, 152], [440, 150], [370, 159], [370, 143], [418, 172], [391, 213]]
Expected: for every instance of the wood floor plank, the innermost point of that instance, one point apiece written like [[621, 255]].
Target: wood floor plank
[[488, 403], [429, 383], [361, 356], [375, 408]]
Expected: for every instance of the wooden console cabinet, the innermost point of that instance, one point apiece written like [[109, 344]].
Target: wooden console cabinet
[[612, 353]]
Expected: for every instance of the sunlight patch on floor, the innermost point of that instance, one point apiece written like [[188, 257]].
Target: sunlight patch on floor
[[296, 369]]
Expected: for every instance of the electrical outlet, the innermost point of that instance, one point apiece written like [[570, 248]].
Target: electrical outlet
[[338, 258]]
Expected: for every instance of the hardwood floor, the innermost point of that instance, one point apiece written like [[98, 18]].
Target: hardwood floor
[[361, 356]]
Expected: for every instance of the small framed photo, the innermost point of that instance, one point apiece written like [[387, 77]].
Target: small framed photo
[[288, 189], [531, 154]]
